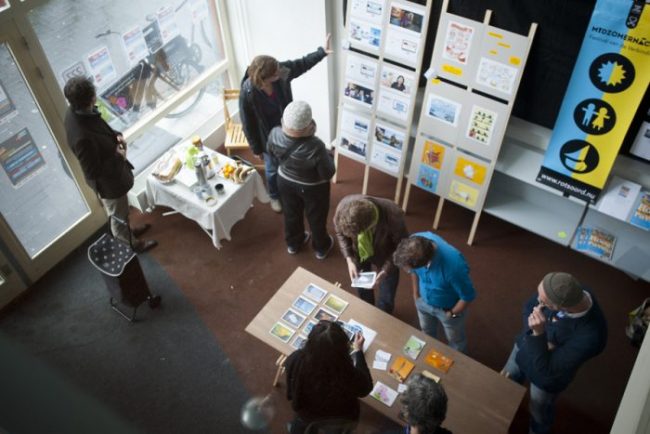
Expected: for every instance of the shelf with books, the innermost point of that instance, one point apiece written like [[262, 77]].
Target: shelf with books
[[632, 250]]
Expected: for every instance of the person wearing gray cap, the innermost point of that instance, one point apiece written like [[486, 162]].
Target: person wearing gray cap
[[304, 173], [563, 328]]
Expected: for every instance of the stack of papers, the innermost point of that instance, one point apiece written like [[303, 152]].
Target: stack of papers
[[381, 360]]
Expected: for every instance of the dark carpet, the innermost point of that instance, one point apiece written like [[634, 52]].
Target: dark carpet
[[162, 374], [228, 287]]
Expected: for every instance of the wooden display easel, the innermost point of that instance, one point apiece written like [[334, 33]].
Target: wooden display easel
[[502, 103], [372, 115]]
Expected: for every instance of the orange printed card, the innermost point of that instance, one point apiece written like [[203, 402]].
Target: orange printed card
[[438, 361], [401, 368]]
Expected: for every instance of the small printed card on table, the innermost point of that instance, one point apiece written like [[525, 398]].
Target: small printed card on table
[[439, 361], [336, 304], [293, 318], [383, 394], [315, 293], [413, 347], [303, 305], [282, 332]]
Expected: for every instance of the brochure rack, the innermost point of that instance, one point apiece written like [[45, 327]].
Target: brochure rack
[[379, 84]]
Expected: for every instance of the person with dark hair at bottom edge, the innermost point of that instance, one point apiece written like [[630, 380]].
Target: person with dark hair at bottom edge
[[424, 406], [101, 152], [303, 179], [368, 230], [324, 381], [563, 328], [265, 93]]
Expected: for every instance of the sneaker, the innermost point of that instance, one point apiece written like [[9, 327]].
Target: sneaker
[[276, 205], [322, 255], [293, 250]]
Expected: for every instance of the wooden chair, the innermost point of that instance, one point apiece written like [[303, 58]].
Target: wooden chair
[[235, 138]]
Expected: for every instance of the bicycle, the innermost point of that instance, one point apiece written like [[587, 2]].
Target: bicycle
[[167, 69]]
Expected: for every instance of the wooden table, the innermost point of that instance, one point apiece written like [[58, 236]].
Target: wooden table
[[480, 400]]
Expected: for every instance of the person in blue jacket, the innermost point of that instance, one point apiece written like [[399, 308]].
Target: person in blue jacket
[[563, 328], [265, 93], [442, 288]]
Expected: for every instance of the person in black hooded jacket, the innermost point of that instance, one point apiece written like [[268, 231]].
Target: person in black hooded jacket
[[265, 92], [305, 170]]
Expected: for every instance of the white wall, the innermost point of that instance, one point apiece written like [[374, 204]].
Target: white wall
[[286, 29]]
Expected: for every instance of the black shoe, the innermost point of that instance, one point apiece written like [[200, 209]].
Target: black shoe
[[322, 255], [141, 229], [154, 301], [142, 246], [293, 250]]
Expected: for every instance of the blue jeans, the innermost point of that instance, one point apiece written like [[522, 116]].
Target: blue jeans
[[387, 289], [542, 403], [271, 172], [430, 316]]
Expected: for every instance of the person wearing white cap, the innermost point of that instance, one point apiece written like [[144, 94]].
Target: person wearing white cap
[[304, 173], [563, 328], [265, 92]]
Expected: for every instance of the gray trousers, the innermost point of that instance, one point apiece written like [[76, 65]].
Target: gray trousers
[[119, 208]]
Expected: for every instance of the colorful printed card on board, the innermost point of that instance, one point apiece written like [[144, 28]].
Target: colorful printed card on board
[[481, 125], [470, 170], [609, 80], [458, 42], [443, 110], [433, 155], [463, 193]]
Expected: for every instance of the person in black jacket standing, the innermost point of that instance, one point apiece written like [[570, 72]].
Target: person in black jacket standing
[[265, 92], [304, 173], [101, 152], [563, 328], [324, 381]]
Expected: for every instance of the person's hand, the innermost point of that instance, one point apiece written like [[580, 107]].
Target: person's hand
[[380, 276], [120, 140], [352, 268], [121, 150], [327, 47], [357, 344], [537, 321]]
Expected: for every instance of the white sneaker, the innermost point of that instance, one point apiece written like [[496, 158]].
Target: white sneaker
[[276, 205]]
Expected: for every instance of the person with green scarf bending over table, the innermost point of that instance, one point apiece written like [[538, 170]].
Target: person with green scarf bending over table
[[368, 230]]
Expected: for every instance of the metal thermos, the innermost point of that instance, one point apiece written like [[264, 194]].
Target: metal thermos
[[200, 172]]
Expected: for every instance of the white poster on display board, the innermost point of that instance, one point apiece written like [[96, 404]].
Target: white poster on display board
[[360, 79], [457, 48], [384, 159], [354, 134], [393, 104], [458, 42], [370, 11], [364, 35], [404, 32], [387, 147], [396, 91]]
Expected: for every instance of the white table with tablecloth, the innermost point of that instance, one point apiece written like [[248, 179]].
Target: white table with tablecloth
[[218, 217]]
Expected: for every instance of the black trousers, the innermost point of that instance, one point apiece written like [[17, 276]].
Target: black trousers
[[300, 201]]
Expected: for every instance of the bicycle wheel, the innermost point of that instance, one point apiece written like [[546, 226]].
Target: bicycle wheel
[[175, 79]]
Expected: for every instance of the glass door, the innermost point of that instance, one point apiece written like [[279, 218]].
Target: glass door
[[44, 213]]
